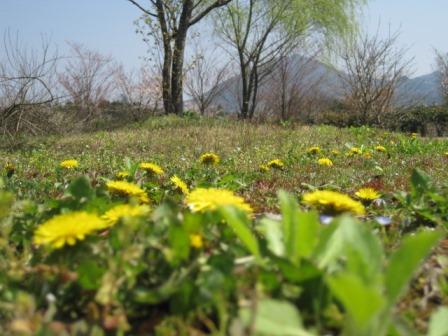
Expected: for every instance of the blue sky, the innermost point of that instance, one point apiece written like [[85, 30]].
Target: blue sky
[[107, 25]]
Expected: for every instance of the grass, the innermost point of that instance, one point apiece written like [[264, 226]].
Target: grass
[[149, 276], [176, 144]]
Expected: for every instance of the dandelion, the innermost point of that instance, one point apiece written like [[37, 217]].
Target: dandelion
[[332, 202], [367, 194], [179, 184], [69, 164], [10, 169], [202, 199], [123, 188], [325, 162], [151, 168], [314, 150], [66, 229], [414, 135], [196, 241], [209, 159], [335, 152], [276, 164], [368, 155], [119, 212], [355, 151], [380, 148], [122, 175], [264, 168]]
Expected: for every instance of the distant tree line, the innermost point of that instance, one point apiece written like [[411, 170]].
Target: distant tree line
[[263, 55]]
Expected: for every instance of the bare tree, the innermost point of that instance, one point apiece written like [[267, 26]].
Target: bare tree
[[292, 90], [374, 67], [205, 80], [253, 29], [142, 90], [442, 68], [169, 22], [260, 31], [26, 79], [88, 78]]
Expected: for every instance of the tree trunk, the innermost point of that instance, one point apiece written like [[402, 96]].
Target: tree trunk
[[166, 80], [178, 58]]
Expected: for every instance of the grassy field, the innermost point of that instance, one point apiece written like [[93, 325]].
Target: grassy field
[[176, 144], [225, 271]]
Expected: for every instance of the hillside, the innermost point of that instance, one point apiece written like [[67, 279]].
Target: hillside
[[417, 90]]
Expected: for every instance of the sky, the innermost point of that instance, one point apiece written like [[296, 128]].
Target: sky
[[108, 26]]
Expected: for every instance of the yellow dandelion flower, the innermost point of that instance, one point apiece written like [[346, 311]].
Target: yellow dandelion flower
[[325, 162], [335, 152], [118, 212], [196, 241], [181, 185], [367, 194], [122, 175], [380, 148], [66, 229], [123, 188], [69, 164], [314, 150], [276, 164], [332, 202], [202, 199], [368, 155], [414, 135], [209, 159], [264, 168], [9, 169], [355, 151], [151, 168]]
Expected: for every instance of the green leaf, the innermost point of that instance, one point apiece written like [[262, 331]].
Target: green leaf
[[274, 318], [179, 243], [90, 274], [404, 262], [238, 221], [420, 182], [289, 211], [438, 325], [348, 238], [361, 301], [307, 233], [80, 188], [274, 236], [300, 229]]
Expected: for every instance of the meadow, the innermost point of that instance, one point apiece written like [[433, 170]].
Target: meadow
[[197, 226]]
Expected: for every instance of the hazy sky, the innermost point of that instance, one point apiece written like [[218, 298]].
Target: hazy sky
[[107, 25]]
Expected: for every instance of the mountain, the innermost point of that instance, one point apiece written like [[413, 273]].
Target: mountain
[[422, 89], [327, 83]]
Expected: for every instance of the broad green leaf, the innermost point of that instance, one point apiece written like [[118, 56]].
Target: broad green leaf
[[89, 274], [348, 238], [179, 243], [420, 182], [362, 302], [274, 236], [307, 233], [300, 229], [80, 188], [274, 318], [6, 201], [405, 260], [289, 211], [438, 325], [238, 221]]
